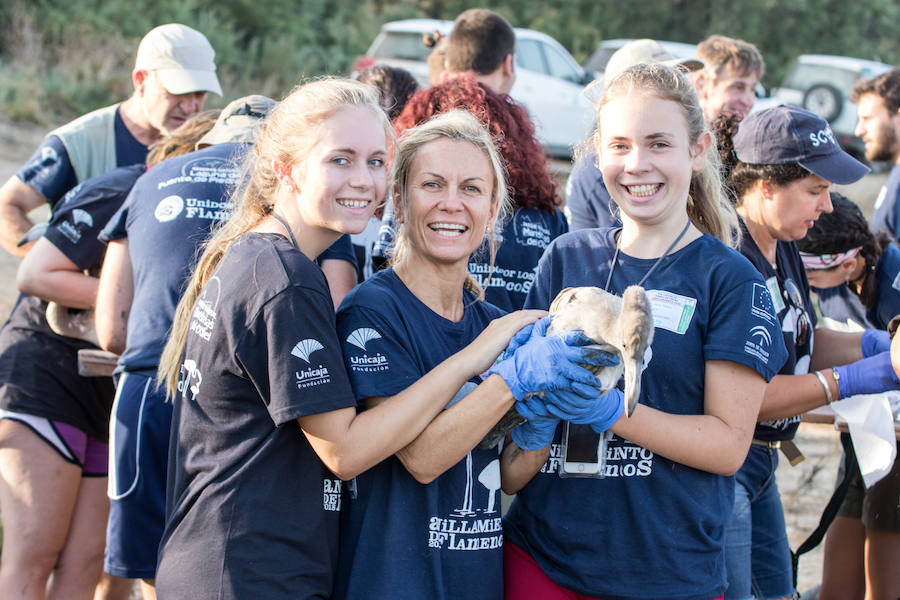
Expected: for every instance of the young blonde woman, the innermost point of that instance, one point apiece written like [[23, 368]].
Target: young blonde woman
[[426, 522], [265, 425], [653, 526]]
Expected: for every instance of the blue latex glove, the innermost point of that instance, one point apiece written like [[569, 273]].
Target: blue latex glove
[[874, 341], [536, 433], [549, 363], [868, 376], [600, 410], [537, 329]]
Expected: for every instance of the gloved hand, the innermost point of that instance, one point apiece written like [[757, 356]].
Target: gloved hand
[[874, 341], [868, 376], [535, 433], [549, 363], [538, 329], [599, 410]]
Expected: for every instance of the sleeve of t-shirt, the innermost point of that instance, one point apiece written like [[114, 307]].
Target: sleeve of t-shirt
[[376, 353], [342, 249], [292, 356], [744, 329], [116, 227], [77, 222], [49, 170], [582, 214], [547, 281]]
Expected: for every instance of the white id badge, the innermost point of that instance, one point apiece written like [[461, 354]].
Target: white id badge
[[775, 292], [672, 312]]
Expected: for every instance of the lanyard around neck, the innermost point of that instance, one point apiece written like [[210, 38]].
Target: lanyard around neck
[[284, 224], [655, 264]]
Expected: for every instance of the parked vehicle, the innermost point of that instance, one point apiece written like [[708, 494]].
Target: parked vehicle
[[821, 84], [549, 81], [605, 49]]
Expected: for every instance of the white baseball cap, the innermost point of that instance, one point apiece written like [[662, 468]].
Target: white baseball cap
[[239, 121], [182, 58], [635, 52]]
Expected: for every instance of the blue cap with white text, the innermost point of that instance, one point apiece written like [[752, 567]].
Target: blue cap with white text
[[787, 134]]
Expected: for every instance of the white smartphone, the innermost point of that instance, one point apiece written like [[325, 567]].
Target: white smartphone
[[583, 451]]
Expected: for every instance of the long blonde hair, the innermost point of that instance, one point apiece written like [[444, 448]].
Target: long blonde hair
[[708, 206], [454, 125], [286, 137]]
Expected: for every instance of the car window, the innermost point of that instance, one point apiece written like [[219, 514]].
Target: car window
[[407, 46], [559, 66], [528, 56], [804, 76]]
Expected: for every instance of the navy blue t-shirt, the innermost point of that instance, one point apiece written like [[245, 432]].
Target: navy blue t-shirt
[[790, 315], [50, 172], [251, 511], [522, 240], [401, 539], [840, 304], [887, 206], [166, 218], [588, 203], [29, 348], [651, 528]]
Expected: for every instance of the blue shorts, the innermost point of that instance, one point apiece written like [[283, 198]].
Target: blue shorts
[[139, 450], [757, 552]]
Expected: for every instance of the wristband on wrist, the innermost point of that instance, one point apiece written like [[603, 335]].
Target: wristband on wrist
[[829, 398], [837, 381]]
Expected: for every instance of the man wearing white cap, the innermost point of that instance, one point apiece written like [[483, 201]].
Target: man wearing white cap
[[173, 73], [587, 201]]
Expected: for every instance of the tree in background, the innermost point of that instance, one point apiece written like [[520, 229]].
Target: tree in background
[[59, 58]]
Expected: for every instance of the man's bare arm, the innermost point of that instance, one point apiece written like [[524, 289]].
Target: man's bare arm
[[17, 199]]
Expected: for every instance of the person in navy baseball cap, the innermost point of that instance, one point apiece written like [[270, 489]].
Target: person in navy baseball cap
[[784, 162], [786, 134]]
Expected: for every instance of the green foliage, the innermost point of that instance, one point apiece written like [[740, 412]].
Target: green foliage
[[60, 58]]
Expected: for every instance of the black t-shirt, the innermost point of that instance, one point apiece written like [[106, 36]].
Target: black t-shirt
[[788, 268], [38, 368], [251, 511]]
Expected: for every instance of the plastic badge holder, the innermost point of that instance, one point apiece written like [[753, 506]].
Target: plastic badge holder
[[583, 452]]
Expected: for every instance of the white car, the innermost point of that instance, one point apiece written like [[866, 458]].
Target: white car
[[821, 84], [548, 80]]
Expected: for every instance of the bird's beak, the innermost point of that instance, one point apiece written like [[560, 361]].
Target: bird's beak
[[633, 372]]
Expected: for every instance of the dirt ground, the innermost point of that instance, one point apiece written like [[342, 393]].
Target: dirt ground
[[805, 489]]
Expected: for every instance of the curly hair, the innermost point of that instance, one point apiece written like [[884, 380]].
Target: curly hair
[[886, 86], [739, 176], [530, 182], [843, 229]]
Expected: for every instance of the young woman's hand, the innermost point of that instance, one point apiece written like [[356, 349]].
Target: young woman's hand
[[484, 349], [552, 363]]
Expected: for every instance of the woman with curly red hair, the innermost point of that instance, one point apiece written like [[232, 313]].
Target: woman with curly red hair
[[537, 218]]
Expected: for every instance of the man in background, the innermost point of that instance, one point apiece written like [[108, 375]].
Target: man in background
[[174, 70], [878, 106]]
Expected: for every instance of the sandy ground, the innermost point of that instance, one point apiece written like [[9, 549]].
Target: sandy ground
[[805, 488]]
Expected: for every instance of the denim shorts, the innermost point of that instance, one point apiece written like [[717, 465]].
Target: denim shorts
[[139, 450], [757, 553]]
